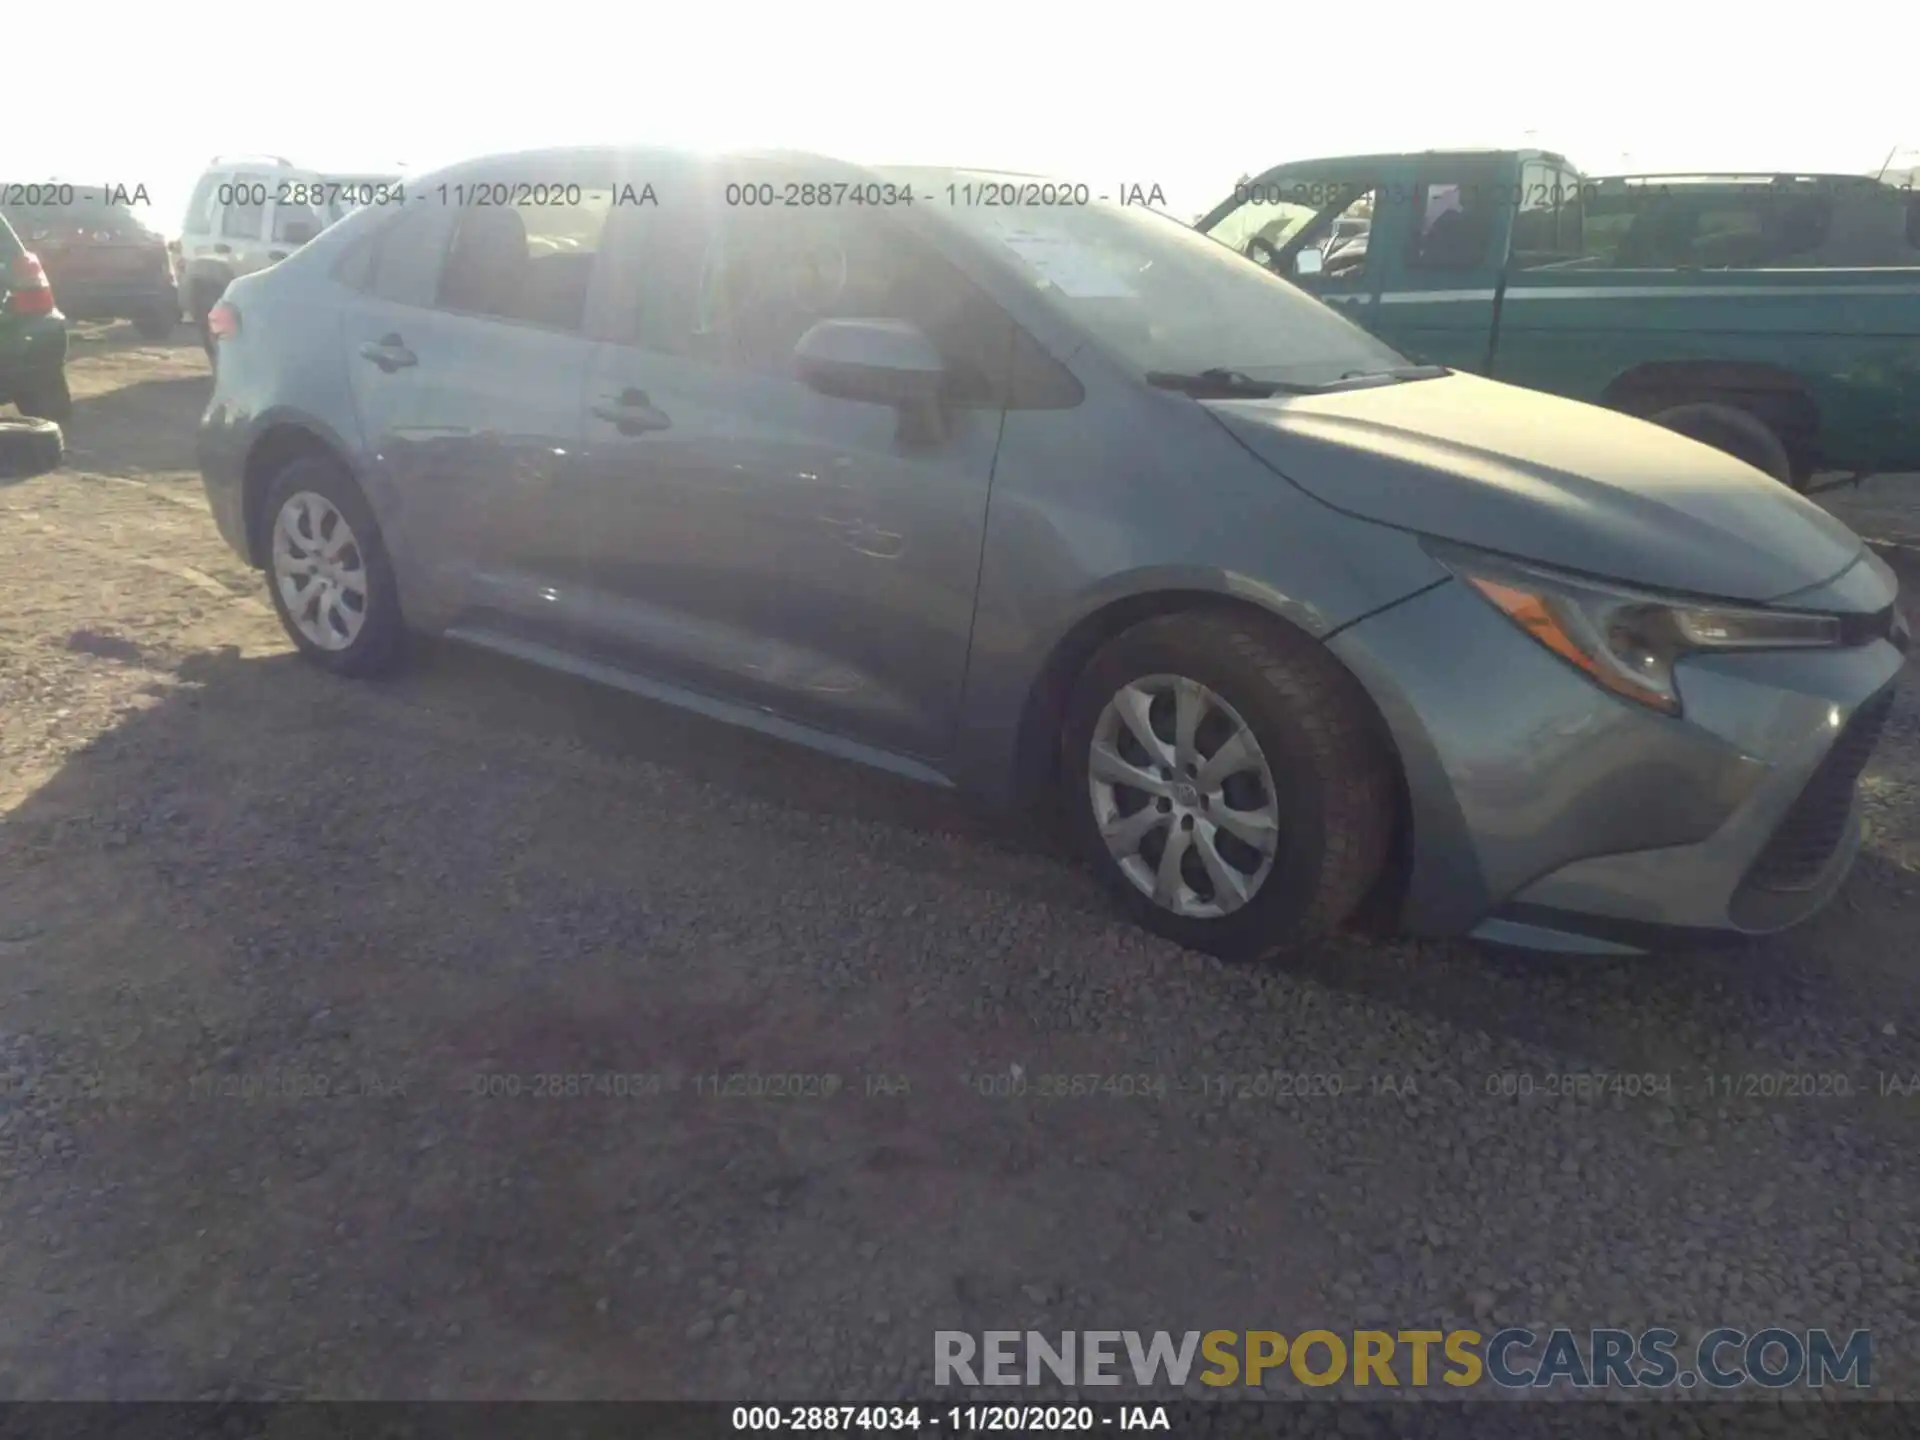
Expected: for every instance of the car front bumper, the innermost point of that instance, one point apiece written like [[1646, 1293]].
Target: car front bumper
[[1547, 813]]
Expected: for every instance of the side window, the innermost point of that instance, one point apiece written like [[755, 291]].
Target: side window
[[1452, 222], [1263, 224], [1338, 212], [296, 224], [246, 209], [407, 253], [742, 288], [200, 206], [530, 261], [1547, 220], [1343, 239]]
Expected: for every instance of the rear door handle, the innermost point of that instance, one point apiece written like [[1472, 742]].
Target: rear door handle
[[390, 354], [632, 414]]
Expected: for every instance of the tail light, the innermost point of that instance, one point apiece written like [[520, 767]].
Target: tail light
[[223, 321], [29, 292]]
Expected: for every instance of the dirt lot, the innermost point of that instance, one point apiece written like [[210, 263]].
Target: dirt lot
[[227, 881]]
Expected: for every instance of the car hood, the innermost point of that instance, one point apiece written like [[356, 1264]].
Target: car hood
[[1549, 480]]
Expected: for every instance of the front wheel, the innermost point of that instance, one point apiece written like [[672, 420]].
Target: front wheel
[[1230, 783], [327, 570]]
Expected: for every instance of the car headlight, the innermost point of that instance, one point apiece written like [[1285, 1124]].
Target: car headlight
[[1629, 640]]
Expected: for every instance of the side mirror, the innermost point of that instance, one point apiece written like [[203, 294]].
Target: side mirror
[[298, 232], [884, 362], [1308, 262]]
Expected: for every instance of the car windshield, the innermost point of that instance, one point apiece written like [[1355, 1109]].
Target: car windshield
[[1165, 298]]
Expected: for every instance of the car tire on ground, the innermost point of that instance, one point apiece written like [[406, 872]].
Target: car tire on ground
[[156, 324], [46, 398], [327, 570], [29, 448], [1737, 432], [1264, 811]]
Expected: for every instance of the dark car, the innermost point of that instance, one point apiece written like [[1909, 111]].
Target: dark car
[[104, 261], [1067, 504], [33, 334]]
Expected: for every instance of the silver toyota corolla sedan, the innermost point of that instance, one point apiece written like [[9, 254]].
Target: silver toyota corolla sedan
[[987, 481]]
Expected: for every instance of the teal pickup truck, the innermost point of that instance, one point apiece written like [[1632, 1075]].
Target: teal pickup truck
[[1776, 318]]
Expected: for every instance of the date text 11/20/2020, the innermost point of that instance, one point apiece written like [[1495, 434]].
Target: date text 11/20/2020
[[960, 1419]]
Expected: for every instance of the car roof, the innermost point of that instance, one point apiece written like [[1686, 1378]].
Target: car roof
[[1387, 157], [1734, 177]]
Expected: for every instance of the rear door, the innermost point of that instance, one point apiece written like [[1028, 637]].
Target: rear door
[[467, 360]]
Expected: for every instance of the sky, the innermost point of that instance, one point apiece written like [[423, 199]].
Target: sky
[[1187, 98]]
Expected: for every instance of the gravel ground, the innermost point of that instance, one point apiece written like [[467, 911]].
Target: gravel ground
[[227, 881]]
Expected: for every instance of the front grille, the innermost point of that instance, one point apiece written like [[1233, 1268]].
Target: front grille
[[1800, 848]]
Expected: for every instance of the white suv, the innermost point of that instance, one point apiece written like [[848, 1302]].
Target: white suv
[[247, 214]]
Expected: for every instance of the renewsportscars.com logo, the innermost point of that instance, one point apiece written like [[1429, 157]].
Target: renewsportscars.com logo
[[1512, 1358]]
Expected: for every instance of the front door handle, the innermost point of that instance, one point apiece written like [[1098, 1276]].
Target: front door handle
[[632, 414], [390, 354]]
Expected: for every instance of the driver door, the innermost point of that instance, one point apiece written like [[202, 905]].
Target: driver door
[[1278, 220], [750, 537]]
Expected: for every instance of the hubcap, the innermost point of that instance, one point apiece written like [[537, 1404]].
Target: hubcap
[[319, 570], [1183, 797]]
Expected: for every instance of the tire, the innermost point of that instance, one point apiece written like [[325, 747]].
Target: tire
[[46, 398], [1329, 789], [1735, 432], [374, 646], [155, 324], [29, 448]]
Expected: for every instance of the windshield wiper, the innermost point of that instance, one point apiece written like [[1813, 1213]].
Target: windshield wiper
[[1222, 384], [1387, 377]]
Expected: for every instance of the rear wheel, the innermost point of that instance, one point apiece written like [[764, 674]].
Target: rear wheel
[[327, 570], [45, 397], [1233, 787], [1736, 432]]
